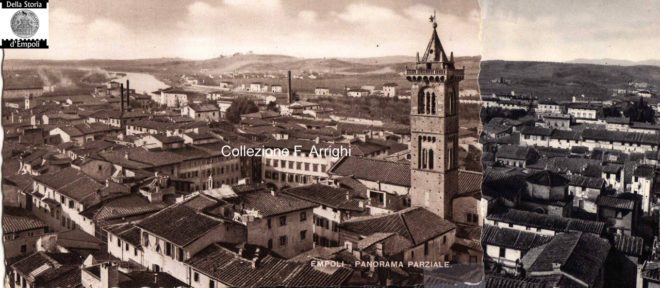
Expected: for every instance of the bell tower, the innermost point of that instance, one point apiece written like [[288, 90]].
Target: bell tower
[[434, 128]]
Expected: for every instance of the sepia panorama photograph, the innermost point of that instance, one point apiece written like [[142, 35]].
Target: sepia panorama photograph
[[244, 144], [366, 143]]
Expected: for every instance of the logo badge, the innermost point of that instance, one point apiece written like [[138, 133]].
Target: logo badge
[[24, 23]]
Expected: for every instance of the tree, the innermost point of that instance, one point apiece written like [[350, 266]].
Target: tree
[[640, 111], [239, 107], [491, 112], [473, 159], [272, 106], [296, 96], [612, 111]]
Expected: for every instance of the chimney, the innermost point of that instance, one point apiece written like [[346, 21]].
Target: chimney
[[107, 182], [128, 95], [254, 262], [121, 96], [290, 95], [272, 192], [348, 195], [109, 275], [556, 267]]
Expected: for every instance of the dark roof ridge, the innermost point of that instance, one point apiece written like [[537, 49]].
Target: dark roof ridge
[[362, 218], [403, 219]]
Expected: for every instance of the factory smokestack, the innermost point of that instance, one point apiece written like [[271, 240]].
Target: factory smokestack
[[290, 99], [128, 95], [121, 96]]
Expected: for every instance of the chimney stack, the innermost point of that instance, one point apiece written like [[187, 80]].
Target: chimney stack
[[109, 275], [121, 96], [128, 95], [290, 91], [254, 262]]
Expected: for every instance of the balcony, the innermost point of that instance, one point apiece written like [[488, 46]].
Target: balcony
[[433, 74], [423, 71]]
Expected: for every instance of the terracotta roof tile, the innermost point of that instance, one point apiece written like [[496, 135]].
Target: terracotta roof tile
[[179, 224], [396, 173], [268, 205], [326, 195], [17, 220], [629, 245], [510, 238], [415, 223], [235, 271], [550, 222]]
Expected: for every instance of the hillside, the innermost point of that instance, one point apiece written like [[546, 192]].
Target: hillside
[[562, 80], [608, 61], [242, 63], [346, 72]]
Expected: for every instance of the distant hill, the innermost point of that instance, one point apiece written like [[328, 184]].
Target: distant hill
[[381, 60], [169, 68], [562, 80], [244, 63], [608, 61], [23, 63]]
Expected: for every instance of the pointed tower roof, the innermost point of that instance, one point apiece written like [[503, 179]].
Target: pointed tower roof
[[434, 51]]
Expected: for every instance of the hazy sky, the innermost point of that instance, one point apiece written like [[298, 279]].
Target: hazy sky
[[201, 29], [561, 30]]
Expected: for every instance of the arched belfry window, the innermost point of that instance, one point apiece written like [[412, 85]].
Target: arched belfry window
[[451, 153], [428, 103], [420, 103], [433, 103], [430, 158], [424, 162], [452, 96], [419, 152]]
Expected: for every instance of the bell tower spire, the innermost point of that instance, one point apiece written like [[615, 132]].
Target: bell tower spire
[[434, 51], [434, 128]]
